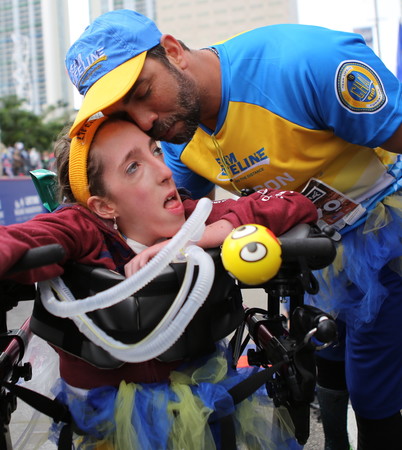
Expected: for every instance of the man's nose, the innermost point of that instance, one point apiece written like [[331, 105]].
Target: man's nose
[[144, 118]]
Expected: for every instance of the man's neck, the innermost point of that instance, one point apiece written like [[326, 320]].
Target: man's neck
[[208, 73]]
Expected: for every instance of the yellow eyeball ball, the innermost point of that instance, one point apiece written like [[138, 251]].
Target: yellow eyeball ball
[[252, 254]]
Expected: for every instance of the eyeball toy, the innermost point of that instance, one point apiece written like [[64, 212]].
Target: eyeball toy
[[252, 254]]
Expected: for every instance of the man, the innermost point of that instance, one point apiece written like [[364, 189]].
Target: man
[[285, 106]]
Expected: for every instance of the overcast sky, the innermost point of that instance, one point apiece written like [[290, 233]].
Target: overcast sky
[[346, 15], [79, 18]]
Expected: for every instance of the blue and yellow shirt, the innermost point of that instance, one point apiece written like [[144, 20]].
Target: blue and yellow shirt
[[297, 102]]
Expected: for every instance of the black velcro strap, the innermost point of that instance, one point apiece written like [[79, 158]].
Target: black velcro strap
[[248, 386], [239, 393], [52, 408], [228, 433], [65, 438]]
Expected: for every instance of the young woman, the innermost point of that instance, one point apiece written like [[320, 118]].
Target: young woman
[[120, 206]]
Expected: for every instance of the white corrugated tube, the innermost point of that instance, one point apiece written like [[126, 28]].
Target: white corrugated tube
[[182, 310]]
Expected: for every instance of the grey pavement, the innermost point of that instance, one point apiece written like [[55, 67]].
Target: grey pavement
[[24, 413]]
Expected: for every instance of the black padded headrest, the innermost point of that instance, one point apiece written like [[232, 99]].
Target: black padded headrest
[[135, 317]]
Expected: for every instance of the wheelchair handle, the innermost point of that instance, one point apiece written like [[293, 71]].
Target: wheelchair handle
[[38, 257], [318, 251]]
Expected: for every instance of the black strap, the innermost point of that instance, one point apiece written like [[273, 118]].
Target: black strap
[[239, 393], [228, 433], [51, 408], [66, 438], [248, 386]]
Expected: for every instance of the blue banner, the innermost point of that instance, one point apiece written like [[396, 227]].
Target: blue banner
[[19, 200]]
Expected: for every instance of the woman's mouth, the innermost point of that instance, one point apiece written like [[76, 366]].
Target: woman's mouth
[[173, 203], [171, 200]]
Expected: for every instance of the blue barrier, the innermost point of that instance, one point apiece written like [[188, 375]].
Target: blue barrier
[[19, 200]]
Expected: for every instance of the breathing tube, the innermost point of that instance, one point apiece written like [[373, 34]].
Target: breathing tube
[[182, 310]]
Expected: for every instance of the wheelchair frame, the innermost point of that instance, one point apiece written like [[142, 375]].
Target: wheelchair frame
[[284, 350]]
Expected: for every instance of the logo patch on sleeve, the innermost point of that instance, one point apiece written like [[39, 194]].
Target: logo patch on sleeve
[[359, 88]]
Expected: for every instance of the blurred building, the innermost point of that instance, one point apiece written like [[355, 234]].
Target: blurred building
[[203, 22], [98, 7], [34, 37]]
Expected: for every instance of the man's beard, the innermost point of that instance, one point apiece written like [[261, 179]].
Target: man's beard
[[189, 112]]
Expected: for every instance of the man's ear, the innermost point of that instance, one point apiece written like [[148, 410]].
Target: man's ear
[[174, 51], [102, 207]]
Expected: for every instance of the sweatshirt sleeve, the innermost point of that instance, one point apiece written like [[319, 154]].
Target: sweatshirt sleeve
[[79, 236], [277, 210]]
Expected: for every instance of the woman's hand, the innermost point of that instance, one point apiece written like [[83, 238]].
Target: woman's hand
[[215, 233], [213, 236], [142, 258]]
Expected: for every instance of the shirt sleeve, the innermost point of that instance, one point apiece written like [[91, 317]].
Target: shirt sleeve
[[182, 175], [80, 238], [347, 89], [277, 210]]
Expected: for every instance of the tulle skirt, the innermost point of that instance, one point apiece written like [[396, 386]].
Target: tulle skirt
[[181, 414], [361, 254]]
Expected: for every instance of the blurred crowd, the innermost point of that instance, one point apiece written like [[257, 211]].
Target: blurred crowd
[[17, 161]]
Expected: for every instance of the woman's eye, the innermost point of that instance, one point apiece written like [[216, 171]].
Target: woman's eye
[[132, 167], [157, 151]]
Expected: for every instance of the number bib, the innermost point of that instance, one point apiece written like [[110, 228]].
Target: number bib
[[334, 208]]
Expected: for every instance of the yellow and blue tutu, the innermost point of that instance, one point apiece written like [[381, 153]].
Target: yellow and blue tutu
[[183, 412]]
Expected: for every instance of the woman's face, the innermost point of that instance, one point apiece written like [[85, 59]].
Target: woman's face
[[139, 186]]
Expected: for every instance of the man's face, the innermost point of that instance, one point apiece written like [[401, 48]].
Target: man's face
[[163, 102]]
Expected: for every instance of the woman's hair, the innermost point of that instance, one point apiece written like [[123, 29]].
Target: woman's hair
[[94, 165], [62, 153]]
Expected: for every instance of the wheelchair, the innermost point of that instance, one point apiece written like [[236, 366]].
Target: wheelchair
[[283, 348]]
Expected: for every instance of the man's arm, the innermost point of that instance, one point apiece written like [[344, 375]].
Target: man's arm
[[394, 143], [212, 194]]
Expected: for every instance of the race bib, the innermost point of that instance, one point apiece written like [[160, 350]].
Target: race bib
[[334, 208]]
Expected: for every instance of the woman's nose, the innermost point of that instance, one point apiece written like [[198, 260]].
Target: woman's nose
[[163, 171]]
